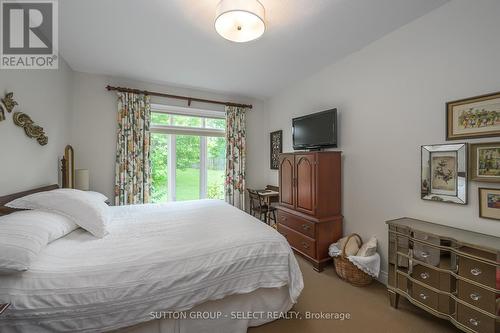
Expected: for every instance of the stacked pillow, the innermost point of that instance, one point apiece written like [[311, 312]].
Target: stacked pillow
[[24, 234], [353, 248], [48, 216], [368, 249], [85, 209]]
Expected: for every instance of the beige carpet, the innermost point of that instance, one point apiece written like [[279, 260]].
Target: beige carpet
[[369, 309]]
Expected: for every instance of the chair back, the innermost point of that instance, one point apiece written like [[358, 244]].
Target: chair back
[[255, 199]]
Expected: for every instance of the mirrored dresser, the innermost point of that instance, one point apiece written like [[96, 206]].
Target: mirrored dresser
[[452, 273]]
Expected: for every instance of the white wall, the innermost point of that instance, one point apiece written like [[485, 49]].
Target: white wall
[[94, 123], [391, 96], [45, 95]]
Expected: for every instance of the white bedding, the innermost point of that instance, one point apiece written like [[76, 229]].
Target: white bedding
[[168, 257], [268, 301]]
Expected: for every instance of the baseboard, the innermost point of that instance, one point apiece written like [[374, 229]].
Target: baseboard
[[383, 277]]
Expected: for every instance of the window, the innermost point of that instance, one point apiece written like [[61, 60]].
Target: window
[[188, 154]]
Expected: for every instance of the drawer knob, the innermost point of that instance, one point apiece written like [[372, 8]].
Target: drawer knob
[[424, 254], [306, 227], [424, 275], [475, 296], [423, 296], [305, 245], [474, 322], [475, 271]]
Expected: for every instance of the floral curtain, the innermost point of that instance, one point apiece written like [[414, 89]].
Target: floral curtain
[[235, 156], [133, 165]]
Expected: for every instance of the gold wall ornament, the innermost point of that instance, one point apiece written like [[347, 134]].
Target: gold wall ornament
[[31, 130], [9, 102]]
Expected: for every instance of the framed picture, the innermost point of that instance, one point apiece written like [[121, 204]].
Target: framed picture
[[276, 139], [485, 162], [475, 117], [489, 203], [444, 173]]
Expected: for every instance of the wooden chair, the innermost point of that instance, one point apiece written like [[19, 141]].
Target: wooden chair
[[259, 208]]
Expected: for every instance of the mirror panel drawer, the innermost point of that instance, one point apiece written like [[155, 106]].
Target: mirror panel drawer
[[477, 296], [426, 275], [477, 271], [425, 296], [475, 320]]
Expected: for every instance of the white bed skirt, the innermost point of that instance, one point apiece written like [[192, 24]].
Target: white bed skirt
[[257, 304]]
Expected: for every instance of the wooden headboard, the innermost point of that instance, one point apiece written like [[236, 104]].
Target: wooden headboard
[[7, 198]]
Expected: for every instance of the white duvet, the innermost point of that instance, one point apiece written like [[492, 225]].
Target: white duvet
[[167, 257]]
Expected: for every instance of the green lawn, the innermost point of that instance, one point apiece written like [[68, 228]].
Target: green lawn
[[188, 186]]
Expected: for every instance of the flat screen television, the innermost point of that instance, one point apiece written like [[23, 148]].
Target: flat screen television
[[315, 131]]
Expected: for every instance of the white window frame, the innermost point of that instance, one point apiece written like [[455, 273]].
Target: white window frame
[[173, 131]]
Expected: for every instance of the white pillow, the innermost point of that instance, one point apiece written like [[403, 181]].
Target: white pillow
[[98, 195], [82, 208], [24, 234], [368, 249], [352, 246]]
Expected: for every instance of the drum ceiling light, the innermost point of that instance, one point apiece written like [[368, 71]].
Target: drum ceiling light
[[240, 20]]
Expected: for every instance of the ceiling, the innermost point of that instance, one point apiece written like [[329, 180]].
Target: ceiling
[[174, 41]]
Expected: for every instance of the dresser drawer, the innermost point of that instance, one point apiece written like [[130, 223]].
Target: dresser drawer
[[296, 223], [425, 296], [298, 241], [475, 320], [428, 254], [426, 237], [426, 275], [477, 271], [477, 296]]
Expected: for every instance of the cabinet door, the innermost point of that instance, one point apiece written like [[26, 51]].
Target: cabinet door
[[287, 186], [305, 174]]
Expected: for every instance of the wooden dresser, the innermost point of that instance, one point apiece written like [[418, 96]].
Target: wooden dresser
[[309, 211], [452, 273]]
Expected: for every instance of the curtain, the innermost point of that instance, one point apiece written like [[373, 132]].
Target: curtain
[[235, 156], [133, 165]]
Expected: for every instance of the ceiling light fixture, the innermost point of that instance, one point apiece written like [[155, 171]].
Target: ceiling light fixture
[[240, 20]]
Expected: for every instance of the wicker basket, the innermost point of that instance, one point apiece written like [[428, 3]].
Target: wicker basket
[[347, 271]]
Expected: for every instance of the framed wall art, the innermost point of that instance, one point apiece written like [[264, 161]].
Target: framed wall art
[[475, 117], [484, 162], [489, 203], [444, 173], [276, 139]]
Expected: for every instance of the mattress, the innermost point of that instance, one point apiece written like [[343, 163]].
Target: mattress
[[168, 257]]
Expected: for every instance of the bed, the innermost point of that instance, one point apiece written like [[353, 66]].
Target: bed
[[156, 261]]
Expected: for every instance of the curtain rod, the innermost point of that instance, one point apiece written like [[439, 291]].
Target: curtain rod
[[189, 99]]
